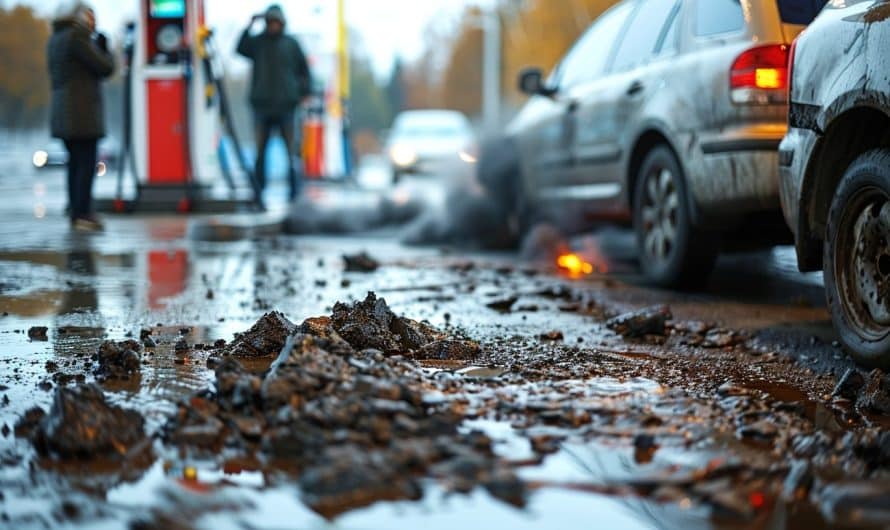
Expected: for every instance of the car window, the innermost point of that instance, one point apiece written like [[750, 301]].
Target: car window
[[800, 12], [668, 45], [639, 41], [713, 17], [589, 57]]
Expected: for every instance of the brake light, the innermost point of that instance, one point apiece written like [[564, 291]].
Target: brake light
[[764, 67]]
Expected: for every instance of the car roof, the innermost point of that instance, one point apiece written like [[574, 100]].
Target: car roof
[[431, 117]]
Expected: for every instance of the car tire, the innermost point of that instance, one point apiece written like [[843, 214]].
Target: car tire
[[856, 259], [673, 253]]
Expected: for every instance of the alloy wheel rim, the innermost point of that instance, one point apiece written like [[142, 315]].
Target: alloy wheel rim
[[660, 214], [863, 274]]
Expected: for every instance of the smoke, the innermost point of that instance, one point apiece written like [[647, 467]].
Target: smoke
[[476, 210], [314, 213]]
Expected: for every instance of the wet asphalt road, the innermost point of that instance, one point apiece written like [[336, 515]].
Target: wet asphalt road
[[158, 272]]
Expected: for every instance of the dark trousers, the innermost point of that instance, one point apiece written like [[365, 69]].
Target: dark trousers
[[81, 172], [286, 125]]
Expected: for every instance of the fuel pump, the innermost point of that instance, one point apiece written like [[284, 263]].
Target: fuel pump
[[172, 126]]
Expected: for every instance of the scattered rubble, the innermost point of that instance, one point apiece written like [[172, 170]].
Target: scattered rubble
[[38, 334], [265, 339], [361, 262], [849, 385], [875, 397], [82, 425], [118, 360], [639, 324]]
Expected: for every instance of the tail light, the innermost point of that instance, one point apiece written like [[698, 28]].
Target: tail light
[[759, 76]]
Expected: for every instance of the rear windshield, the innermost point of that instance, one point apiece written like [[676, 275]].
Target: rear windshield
[[714, 17], [800, 12]]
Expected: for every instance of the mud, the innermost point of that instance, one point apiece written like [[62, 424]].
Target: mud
[[426, 407]]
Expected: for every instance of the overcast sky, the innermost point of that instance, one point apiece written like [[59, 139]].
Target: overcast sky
[[387, 28]]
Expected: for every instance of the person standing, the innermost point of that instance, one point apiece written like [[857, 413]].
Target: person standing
[[281, 80], [79, 59]]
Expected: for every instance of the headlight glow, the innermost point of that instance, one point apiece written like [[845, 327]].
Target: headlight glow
[[467, 157], [40, 158], [402, 155]]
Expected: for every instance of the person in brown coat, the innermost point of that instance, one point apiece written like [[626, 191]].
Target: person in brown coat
[[79, 60]]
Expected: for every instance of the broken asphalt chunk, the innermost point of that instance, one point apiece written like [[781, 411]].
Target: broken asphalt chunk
[[638, 324]]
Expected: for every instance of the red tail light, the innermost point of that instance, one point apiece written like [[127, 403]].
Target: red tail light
[[761, 68]]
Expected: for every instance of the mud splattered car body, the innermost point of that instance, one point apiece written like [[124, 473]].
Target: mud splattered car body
[[837, 143], [701, 83]]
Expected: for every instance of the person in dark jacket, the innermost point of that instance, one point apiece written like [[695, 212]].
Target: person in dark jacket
[[78, 62], [281, 80]]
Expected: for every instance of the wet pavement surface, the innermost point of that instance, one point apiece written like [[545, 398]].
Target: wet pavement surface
[[155, 376]]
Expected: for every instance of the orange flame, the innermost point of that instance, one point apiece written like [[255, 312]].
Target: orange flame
[[574, 265]]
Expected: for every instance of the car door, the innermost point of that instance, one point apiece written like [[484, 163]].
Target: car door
[[586, 61], [609, 108]]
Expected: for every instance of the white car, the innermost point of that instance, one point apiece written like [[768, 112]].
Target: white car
[[429, 141]]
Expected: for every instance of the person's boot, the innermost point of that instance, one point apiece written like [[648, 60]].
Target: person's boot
[[87, 223]]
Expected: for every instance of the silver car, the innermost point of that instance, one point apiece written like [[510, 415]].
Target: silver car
[[429, 142], [667, 114], [835, 168]]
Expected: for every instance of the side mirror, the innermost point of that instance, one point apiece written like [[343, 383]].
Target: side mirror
[[531, 82]]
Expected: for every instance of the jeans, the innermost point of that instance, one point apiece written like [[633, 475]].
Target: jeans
[[82, 159], [286, 124]]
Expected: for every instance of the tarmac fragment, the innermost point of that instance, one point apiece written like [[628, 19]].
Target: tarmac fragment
[[849, 385], [266, 338], [118, 360], [875, 397], [638, 324], [81, 424], [38, 334], [361, 262]]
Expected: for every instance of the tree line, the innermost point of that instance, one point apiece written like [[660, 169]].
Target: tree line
[[534, 33], [24, 85]]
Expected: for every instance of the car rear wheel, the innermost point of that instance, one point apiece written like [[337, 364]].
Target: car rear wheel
[[857, 259], [673, 253]]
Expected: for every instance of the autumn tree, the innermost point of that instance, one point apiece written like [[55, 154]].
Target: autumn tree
[[541, 32], [24, 83], [462, 82]]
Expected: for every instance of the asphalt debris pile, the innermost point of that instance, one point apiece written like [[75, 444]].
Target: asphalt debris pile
[[81, 424], [345, 410], [118, 360]]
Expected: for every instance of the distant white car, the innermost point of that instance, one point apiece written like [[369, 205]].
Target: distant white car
[[429, 141]]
